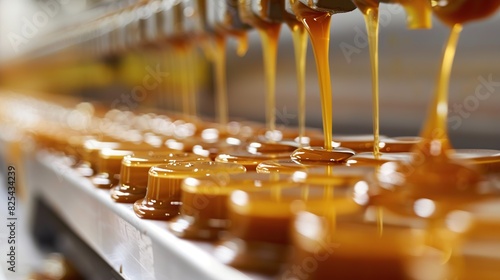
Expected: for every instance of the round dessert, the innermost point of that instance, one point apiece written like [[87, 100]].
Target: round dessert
[[134, 172], [108, 168], [255, 215], [163, 195], [204, 213]]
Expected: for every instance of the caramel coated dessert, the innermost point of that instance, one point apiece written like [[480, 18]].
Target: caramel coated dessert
[[258, 236], [204, 213], [108, 169], [345, 247], [163, 195], [134, 172]]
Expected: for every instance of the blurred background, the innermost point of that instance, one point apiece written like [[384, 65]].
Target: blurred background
[[409, 62]]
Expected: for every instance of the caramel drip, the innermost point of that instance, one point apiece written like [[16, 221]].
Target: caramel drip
[[434, 134], [269, 38], [300, 46], [370, 14], [371, 19], [220, 79], [242, 48], [317, 25]]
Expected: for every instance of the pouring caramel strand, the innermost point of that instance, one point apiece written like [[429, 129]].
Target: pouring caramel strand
[[418, 17], [269, 39], [299, 37], [454, 13], [435, 140], [220, 79], [317, 24], [269, 33], [370, 13]]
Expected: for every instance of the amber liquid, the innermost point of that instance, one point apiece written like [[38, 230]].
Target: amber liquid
[[299, 37], [317, 25], [242, 43], [370, 14], [220, 79], [435, 140], [269, 37], [186, 69], [269, 33], [419, 12]]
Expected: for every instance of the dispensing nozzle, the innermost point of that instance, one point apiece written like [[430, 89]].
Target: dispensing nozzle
[[224, 14], [331, 6], [267, 10]]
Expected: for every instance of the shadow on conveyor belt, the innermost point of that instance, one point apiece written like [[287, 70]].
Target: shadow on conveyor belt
[[52, 234]]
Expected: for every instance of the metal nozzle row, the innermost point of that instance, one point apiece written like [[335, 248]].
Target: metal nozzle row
[[224, 15], [331, 6]]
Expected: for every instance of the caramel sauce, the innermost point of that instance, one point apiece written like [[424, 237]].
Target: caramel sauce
[[319, 155], [242, 48], [487, 161], [430, 173], [368, 159], [108, 168], [204, 213], [133, 181], [432, 176], [299, 37], [370, 14], [284, 166], [352, 249], [184, 66], [269, 39], [419, 12], [317, 25], [269, 33], [252, 212], [248, 159], [162, 200], [220, 79]]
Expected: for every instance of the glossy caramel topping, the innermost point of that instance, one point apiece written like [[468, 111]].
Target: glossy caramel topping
[[487, 161], [310, 155], [337, 175], [162, 200], [108, 168], [183, 169], [267, 147], [134, 172], [249, 160], [369, 159], [204, 201], [399, 144], [254, 214], [353, 249], [284, 166]]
